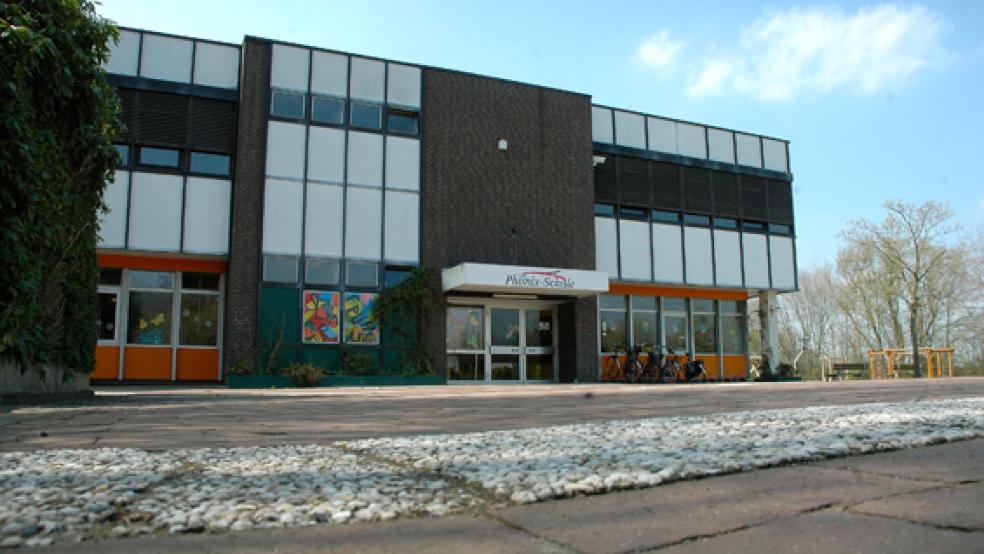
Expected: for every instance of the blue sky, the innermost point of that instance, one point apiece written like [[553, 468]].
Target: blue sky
[[879, 100]]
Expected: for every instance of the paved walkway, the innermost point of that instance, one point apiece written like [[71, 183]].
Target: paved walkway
[[186, 417], [919, 500]]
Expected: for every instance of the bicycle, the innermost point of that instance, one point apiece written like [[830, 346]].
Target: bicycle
[[666, 367], [633, 365], [611, 366], [693, 370]]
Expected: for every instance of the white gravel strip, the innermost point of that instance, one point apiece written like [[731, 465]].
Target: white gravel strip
[[537, 464], [85, 494]]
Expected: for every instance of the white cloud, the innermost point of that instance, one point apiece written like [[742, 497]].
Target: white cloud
[[659, 50], [819, 50]]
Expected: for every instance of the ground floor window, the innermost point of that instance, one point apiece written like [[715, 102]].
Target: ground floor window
[[676, 331], [704, 328], [108, 302], [150, 317], [465, 343], [611, 315], [732, 327]]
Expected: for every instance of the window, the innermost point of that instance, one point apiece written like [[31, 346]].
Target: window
[[327, 109], [151, 280], [200, 281], [107, 315], [675, 328], [199, 319], [160, 157], [632, 213], [465, 329], [752, 226], [402, 122], [604, 210], [110, 276], [287, 104], [394, 277], [692, 219], [725, 223], [367, 116], [124, 151], [362, 274], [645, 315], [151, 296], [280, 269], [665, 217], [611, 315], [321, 272], [210, 164], [704, 334], [732, 327], [779, 229]]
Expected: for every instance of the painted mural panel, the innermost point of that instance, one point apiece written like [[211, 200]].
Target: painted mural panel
[[360, 325], [320, 317]]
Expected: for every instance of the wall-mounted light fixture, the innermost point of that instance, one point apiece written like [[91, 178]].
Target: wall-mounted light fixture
[[597, 160], [503, 145]]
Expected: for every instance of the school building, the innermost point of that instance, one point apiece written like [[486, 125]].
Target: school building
[[270, 191]]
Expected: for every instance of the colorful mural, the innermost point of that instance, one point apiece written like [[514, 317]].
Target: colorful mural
[[320, 317], [361, 326]]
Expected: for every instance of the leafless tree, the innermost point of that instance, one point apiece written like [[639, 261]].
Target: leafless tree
[[910, 244]]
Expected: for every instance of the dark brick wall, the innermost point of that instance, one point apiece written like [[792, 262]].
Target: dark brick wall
[[242, 284], [530, 205]]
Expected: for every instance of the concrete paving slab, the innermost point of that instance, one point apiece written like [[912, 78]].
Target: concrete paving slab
[[449, 535], [836, 531], [958, 506], [953, 463], [199, 417], [644, 519]]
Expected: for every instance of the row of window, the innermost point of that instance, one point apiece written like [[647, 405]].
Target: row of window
[[661, 216], [199, 163], [331, 110], [150, 307], [328, 272], [650, 322]]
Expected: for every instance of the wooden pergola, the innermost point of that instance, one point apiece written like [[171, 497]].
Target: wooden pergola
[[891, 358]]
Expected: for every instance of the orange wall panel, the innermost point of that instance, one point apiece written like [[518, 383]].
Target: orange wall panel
[[711, 365], [734, 367], [147, 363], [198, 364], [107, 363], [162, 263], [639, 289]]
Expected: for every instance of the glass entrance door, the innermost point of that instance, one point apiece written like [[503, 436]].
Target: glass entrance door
[[506, 347], [538, 348]]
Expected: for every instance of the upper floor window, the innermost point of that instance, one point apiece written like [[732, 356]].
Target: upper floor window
[[124, 151], [367, 116], [693, 219], [665, 217], [287, 104], [402, 122], [210, 164], [604, 210], [752, 226], [160, 157], [328, 109], [725, 223], [632, 213], [780, 229]]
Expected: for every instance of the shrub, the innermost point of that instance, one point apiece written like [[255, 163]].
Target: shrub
[[304, 375]]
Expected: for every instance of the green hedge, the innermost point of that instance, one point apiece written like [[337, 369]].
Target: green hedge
[[57, 123]]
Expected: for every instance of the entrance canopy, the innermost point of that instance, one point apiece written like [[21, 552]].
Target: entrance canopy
[[495, 278]]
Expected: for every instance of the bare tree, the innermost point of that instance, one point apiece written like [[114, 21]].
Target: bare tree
[[910, 244]]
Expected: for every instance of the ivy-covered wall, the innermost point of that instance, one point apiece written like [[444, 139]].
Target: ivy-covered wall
[[57, 122]]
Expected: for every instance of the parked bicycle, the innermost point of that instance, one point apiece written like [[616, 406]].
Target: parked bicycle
[[611, 366], [693, 370], [657, 369]]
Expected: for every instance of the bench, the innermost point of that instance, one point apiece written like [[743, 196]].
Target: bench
[[848, 370]]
